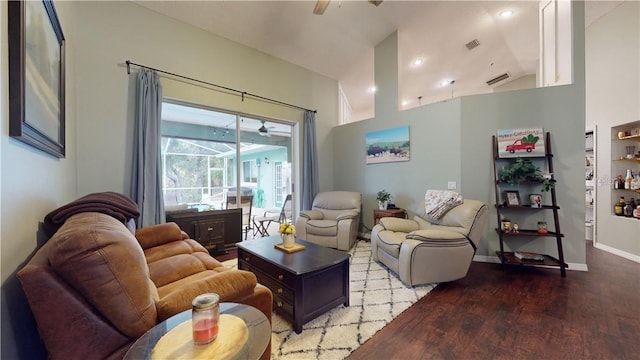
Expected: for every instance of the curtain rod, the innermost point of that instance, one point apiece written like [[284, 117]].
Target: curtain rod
[[242, 93]]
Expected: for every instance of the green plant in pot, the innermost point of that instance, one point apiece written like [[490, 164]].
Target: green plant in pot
[[383, 198], [523, 170]]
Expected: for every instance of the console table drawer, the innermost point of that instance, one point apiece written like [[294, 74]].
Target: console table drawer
[[283, 307], [267, 268], [277, 288]]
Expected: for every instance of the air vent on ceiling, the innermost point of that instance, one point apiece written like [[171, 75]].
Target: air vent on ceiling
[[498, 78], [472, 44]]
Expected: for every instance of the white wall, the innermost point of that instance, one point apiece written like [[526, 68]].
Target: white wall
[[612, 99]]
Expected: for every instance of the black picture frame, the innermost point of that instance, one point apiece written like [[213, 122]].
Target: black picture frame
[[36, 76], [512, 198]]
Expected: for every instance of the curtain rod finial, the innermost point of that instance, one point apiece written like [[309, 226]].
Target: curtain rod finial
[[128, 67]]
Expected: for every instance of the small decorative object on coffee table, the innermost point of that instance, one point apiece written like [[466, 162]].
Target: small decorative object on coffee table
[[288, 233]]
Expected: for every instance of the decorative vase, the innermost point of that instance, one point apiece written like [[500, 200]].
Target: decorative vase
[[288, 240], [382, 205]]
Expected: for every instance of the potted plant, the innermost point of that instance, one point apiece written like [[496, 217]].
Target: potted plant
[[383, 198], [523, 170]]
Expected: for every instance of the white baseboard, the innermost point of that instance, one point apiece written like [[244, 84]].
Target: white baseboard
[[496, 260], [614, 251]]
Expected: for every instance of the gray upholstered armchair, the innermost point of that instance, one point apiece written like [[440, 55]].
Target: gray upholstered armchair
[[332, 221], [424, 252]]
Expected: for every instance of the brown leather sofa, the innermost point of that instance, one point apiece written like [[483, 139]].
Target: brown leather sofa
[[94, 288]]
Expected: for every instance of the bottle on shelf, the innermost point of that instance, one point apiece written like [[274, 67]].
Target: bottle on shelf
[[618, 183], [627, 180], [629, 208], [618, 208]]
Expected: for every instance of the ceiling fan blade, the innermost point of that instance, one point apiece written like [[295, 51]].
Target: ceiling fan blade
[[375, 2], [321, 6]]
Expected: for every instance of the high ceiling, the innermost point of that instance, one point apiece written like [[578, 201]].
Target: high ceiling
[[340, 43]]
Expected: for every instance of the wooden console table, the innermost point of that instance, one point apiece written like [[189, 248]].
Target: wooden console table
[[378, 214]]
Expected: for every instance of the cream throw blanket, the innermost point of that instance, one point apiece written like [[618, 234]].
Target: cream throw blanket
[[438, 202]]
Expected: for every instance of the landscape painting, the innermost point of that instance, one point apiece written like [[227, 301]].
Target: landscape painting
[[521, 142], [387, 145]]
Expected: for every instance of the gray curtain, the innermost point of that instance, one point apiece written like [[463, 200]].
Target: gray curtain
[[147, 168], [309, 161]]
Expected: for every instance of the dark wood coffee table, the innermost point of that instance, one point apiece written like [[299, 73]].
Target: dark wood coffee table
[[305, 284]]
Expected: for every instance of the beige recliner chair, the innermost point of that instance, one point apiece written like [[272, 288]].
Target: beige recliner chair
[[332, 221], [424, 252]]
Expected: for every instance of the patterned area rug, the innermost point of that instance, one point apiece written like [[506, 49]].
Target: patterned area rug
[[377, 297]]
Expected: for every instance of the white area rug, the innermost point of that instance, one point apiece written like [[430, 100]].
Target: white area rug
[[377, 297]]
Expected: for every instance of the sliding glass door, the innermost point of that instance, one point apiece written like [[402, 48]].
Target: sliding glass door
[[209, 155]]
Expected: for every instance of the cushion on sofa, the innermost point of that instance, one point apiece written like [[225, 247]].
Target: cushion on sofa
[[187, 246], [174, 268], [104, 262], [177, 296], [154, 235]]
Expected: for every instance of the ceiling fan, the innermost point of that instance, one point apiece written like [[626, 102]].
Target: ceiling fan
[[265, 130], [321, 5]]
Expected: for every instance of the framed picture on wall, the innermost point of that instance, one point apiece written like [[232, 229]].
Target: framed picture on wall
[[387, 145], [525, 142], [36, 76]]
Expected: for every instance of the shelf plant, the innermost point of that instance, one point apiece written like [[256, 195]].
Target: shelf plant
[[523, 170]]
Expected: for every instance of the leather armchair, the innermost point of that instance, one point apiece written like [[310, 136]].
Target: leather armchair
[[333, 220], [425, 252]]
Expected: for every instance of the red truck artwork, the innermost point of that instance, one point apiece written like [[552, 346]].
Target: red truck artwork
[[519, 145]]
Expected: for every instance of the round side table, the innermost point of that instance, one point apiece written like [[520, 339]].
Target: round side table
[[257, 323]]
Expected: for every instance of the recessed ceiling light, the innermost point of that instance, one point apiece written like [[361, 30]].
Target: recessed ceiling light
[[447, 82], [506, 13], [371, 89], [418, 62], [405, 102]]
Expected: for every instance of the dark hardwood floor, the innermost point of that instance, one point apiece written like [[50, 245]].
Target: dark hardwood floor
[[521, 313]]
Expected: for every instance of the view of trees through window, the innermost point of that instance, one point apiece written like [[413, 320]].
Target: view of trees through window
[[193, 172]]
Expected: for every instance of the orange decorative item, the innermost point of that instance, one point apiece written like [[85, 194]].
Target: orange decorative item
[[542, 227], [205, 318]]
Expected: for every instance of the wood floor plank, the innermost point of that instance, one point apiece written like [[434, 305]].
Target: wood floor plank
[[521, 313]]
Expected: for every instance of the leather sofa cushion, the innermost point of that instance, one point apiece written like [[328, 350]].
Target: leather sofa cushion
[[104, 262], [174, 268], [229, 284], [322, 227], [188, 246], [390, 241], [439, 238], [159, 234]]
